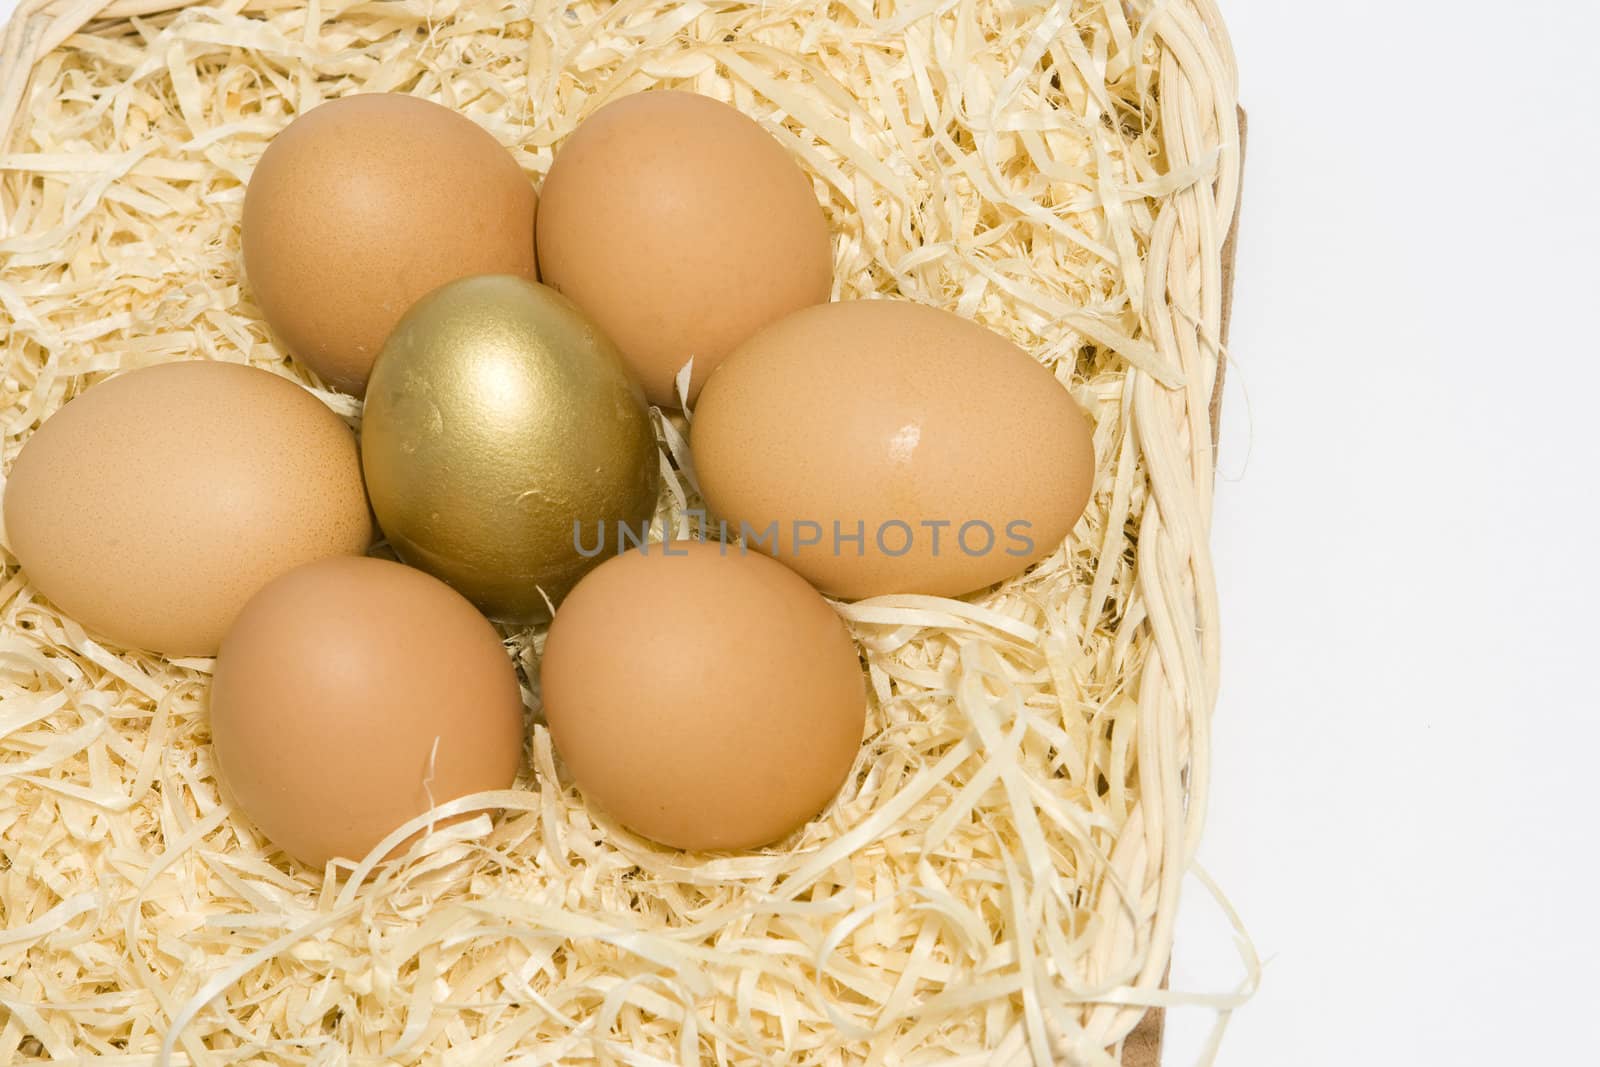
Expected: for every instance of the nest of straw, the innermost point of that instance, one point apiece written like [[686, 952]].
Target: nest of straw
[[998, 879]]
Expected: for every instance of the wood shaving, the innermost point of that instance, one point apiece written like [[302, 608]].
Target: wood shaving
[[998, 880]]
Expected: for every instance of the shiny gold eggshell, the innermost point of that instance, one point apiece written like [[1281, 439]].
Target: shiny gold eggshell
[[497, 418]]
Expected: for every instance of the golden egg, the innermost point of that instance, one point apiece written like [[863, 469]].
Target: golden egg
[[502, 437]]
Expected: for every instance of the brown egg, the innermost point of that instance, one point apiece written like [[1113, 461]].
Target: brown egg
[[352, 693], [364, 204], [886, 447], [154, 505], [705, 697], [681, 227]]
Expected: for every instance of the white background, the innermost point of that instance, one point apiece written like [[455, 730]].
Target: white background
[[1402, 807], [1407, 742]]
